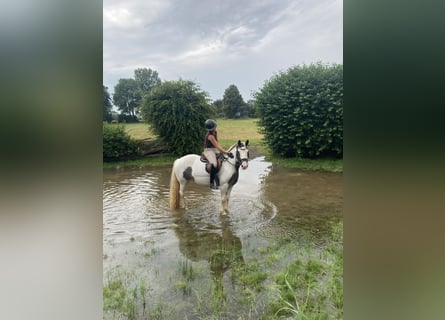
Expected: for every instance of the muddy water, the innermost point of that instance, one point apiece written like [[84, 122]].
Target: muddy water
[[144, 239]]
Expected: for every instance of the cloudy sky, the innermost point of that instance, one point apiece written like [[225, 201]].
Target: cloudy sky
[[217, 43]]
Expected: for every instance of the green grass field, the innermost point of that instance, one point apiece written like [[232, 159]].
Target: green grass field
[[230, 131], [138, 131]]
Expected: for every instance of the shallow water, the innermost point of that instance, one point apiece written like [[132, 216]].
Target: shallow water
[[144, 237]]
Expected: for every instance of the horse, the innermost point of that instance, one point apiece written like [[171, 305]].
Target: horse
[[191, 168]]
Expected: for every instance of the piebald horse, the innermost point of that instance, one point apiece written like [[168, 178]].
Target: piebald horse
[[191, 168]]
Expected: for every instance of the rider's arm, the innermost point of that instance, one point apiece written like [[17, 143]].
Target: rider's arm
[[216, 144]]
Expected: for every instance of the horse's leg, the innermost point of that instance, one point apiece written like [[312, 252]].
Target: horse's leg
[[225, 194], [229, 191], [181, 194]]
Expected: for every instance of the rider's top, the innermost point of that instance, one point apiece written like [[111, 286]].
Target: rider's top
[[207, 143]]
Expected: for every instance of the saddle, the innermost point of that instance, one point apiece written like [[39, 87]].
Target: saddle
[[219, 160]]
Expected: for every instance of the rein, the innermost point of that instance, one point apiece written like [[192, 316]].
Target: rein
[[238, 159]]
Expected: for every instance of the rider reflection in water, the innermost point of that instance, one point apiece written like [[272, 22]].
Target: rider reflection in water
[[211, 147]]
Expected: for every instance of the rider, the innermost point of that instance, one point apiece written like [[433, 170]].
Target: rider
[[211, 147]]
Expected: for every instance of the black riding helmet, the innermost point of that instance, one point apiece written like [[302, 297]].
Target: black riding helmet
[[210, 125]]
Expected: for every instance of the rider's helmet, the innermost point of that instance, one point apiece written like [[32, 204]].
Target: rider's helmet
[[210, 125]]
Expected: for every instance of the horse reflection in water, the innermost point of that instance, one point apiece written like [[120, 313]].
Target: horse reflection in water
[[220, 250]]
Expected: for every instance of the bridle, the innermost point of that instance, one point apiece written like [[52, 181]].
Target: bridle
[[238, 159]]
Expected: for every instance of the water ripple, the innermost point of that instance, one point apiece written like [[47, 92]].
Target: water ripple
[[135, 204]]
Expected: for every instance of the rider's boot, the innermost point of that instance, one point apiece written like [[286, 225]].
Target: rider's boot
[[212, 178]]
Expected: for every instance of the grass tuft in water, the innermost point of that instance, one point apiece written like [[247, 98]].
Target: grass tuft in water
[[311, 285], [160, 311], [121, 298], [249, 275], [186, 270], [183, 287], [289, 278]]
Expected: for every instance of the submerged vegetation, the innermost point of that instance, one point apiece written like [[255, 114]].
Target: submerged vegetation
[[287, 279]]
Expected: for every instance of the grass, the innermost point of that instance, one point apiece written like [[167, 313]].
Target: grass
[[305, 282], [311, 286], [154, 161], [138, 131], [187, 270], [229, 132], [127, 296], [120, 298], [249, 275], [324, 164]]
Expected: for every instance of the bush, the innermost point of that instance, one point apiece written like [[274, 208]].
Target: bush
[[125, 118], [117, 144], [301, 111], [176, 111]]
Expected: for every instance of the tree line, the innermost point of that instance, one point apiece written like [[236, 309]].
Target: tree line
[[129, 94], [300, 110]]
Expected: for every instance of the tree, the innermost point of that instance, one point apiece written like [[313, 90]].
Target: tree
[[232, 102], [218, 105], [250, 109], [176, 112], [127, 97], [107, 105], [147, 79], [301, 111]]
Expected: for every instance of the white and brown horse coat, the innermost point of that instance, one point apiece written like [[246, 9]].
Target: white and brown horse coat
[[190, 168]]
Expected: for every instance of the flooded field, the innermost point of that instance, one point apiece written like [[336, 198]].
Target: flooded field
[[283, 237]]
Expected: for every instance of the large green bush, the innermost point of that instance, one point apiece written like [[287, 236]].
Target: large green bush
[[117, 144], [176, 111], [301, 111]]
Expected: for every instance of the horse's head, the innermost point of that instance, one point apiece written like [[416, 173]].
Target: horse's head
[[242, 154]]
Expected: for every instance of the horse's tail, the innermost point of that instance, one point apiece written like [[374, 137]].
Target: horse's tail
[[174, 190]]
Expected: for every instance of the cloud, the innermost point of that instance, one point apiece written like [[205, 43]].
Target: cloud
[[131, 15], [219, 42]]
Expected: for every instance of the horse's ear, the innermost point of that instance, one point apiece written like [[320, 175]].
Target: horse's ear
[[247, 142], [239, 143]]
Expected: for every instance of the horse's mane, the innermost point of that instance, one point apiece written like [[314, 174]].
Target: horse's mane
[[233, 146]]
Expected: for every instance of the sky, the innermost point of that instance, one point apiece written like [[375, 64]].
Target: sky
[[216, 43]]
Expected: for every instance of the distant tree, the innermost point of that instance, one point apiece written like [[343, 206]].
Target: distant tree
[[176, 112], [250, 109], [147, 79], [218, 104], [232, 102], [127, 97], [107, 105]]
